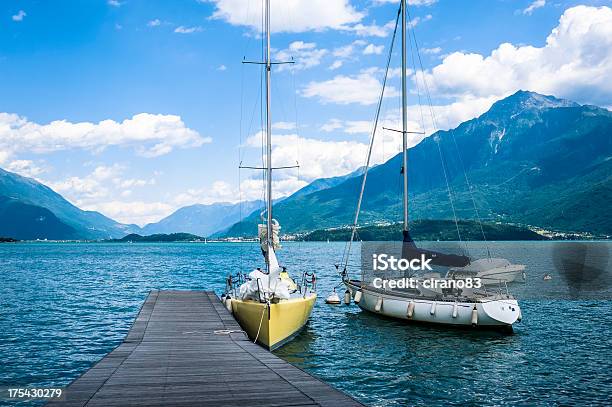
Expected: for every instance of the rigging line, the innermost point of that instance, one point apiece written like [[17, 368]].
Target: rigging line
[[469, 185], [367, 165], [435, 125]]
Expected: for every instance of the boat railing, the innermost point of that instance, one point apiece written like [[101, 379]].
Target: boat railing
[[232, 282], [308, 279]]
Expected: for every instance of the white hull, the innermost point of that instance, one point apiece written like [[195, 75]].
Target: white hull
[[490, 311]]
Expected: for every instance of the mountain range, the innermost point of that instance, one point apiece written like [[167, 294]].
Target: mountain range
[[530, 159], [31, 210]]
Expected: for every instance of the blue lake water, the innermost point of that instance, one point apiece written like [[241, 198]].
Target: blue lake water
[[64, 306]]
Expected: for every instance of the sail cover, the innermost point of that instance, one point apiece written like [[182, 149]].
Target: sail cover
[[411, 251]]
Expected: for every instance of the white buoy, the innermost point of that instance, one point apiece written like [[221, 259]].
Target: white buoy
[[228, 304], [410, 312], [520, 317], [347, 297], [455, 310], [432, 310], [379, 303], [474, 316], [357, 297], [333, 298]]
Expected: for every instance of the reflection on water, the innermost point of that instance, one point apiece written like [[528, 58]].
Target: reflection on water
[[64, 306]]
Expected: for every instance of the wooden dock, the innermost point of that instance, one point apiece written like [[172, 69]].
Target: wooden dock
[[186, 349]]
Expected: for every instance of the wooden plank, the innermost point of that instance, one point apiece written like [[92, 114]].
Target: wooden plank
[[173, 355]]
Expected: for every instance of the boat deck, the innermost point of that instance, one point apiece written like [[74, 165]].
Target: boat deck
[[186, 349]]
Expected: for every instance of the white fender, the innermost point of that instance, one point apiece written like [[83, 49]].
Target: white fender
[[347, 297], [379, 304], [455, 310], [228, 304], [410, 311], [474, 316], [357, 297], [432, 310]]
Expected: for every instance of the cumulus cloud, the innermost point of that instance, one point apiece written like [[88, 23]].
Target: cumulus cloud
[[283, 125], [290, 16], [19, 16], [137, 212], [305, 55], [151, 135], [372, 49], [99, 190], [372, 30], [187, 30], [363, 88], [575, 62], [27, 168], [154, 23], [348, 126], [533, 6]]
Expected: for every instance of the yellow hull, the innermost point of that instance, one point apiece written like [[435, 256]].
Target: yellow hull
[[279, 324]]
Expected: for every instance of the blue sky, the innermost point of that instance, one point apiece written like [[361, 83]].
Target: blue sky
[[135, 108]]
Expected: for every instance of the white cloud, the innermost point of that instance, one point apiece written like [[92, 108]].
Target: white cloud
[[221, 68], [19, 16], [372, 49], [347, 51], [151, 135], [348, 126], [283, 125], [305, 55], [154, 23], [431, 51], [335, 65], [27, 168], [187, 30], [575, 63], [114, 3], [290, 16], [417, 20], [533, 6], [373, 30], [137, 212], [100, 189], [362, 88]]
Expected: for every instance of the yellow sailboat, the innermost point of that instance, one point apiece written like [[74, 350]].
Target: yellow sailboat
[[270, 307]]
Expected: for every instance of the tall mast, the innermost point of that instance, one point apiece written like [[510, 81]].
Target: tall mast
[[268, 134], [404, 118]]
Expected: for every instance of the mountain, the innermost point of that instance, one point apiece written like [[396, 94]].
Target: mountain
[[23, 221], [214, 219], [60, 219], [530, 159], [202, 220]]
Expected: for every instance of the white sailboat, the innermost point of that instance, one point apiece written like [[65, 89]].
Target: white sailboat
[[457, 307], [268, 304]]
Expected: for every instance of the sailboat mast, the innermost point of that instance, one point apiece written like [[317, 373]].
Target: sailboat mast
[[268, 131], [404, 118]]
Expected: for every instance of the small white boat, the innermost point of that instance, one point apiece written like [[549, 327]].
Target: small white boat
[[490, 271]]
